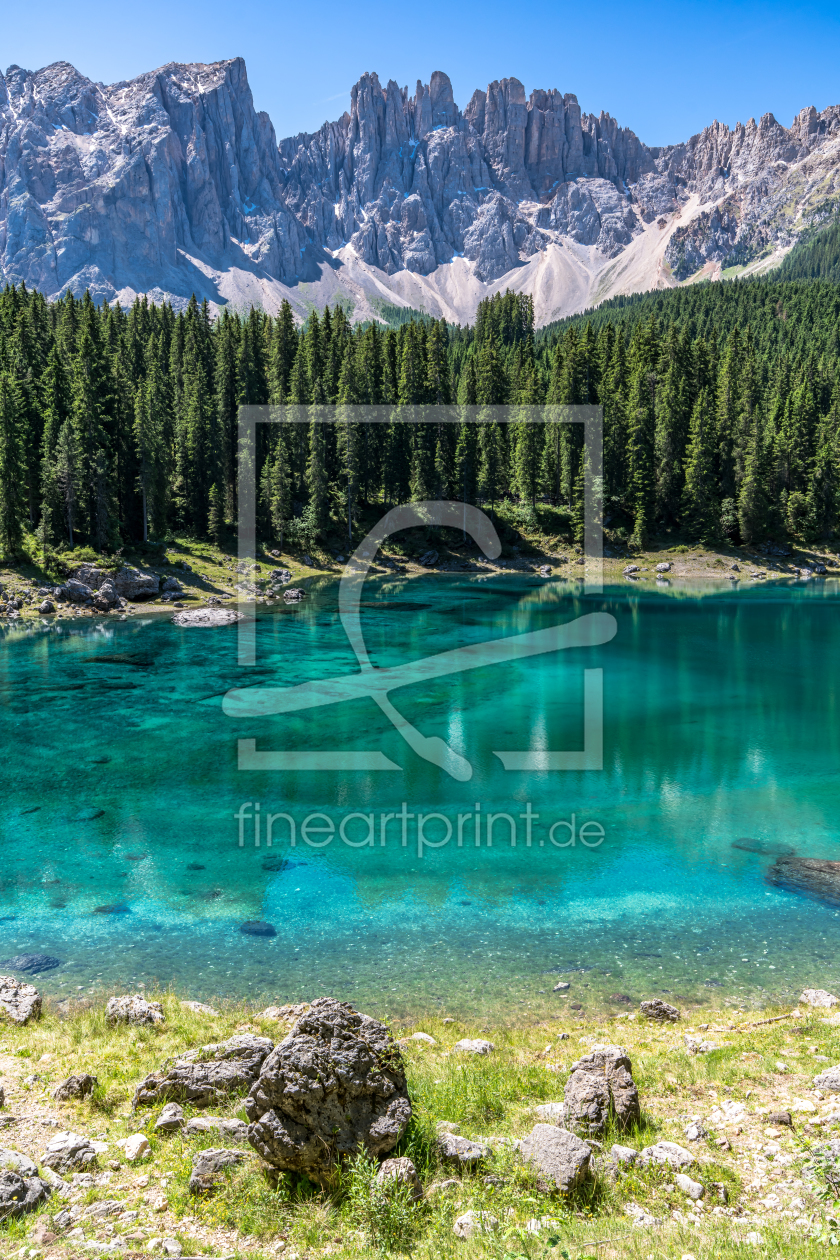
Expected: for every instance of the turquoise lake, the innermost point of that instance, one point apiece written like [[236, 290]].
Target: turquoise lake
[[121, 787]]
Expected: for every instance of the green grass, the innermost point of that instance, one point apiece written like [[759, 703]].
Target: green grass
[[492, 1097]]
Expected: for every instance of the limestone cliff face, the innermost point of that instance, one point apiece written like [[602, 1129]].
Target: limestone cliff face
[[124, 186], [172, 183]]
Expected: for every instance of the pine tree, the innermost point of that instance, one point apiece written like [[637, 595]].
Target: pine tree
[[215, 514], [12, 466], [700, 505], [68, 473], [752, 499]]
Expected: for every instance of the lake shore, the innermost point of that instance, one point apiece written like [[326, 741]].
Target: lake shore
[[735, 1093], [205, 573]]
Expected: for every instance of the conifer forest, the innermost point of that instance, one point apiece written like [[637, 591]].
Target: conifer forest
[[721, 408]]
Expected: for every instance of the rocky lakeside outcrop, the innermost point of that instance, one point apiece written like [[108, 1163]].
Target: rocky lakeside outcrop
[[173, 183]]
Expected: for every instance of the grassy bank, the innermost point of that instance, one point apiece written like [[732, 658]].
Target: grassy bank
[[756, 1174]]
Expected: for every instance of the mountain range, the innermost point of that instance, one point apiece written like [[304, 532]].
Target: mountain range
[[172, 184]]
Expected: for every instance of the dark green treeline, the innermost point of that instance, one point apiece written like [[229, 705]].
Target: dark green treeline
[[720, 414]]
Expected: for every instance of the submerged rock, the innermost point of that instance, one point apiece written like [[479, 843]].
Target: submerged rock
[[334, 1086], [32, 963], [815, 877], [761, 846], [21, 1002], [255, 928]]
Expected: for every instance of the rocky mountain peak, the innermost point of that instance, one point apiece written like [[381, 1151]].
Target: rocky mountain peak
[[172, 183]]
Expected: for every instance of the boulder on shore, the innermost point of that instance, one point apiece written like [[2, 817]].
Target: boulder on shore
[[561, 1159], [20, 1001], [68, 1152], [80, 1086], [133, 1009], [601, 1086], [334, 1086], [20, 1194], [208, 1167], [659, 1012], [208, 1074]]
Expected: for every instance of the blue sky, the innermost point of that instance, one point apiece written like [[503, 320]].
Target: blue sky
[[664, 70]]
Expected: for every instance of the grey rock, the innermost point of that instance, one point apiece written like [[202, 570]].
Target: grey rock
[[294, 594], [829, 1079], [447, 1126], [207, 1074], [79, 1086], [472, 1223], [200, 1008], [659, 1012], [587, 1102], [664, 567], [171, 1119], [68, 1152], [474, 1045], [454, 1149], [667, 1153], [561, 1158], [46, 607], [206, 618], [19, 1001], [17, 1162], [234, 1130], [429, 559], [399, 1172], [780, 1117], [133, 1009], [624, 1155], [695, 1046], [694, 1189], [20, 1194], [601, 1085], [208, 1168], [171, 586], [333, 1087], [77, 592], [694, 1132], [818, 998], [562, 986], [552, 1113]]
